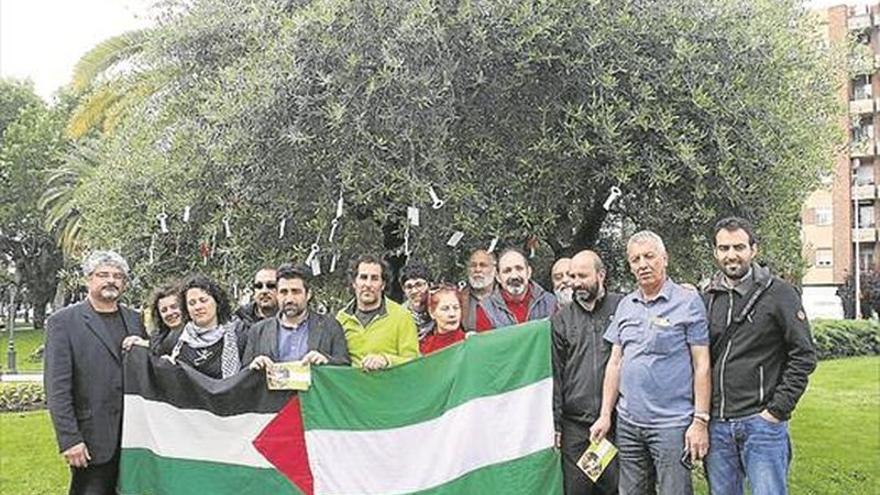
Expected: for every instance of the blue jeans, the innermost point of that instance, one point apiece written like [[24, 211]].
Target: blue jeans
[[752, 448], [651, 458]]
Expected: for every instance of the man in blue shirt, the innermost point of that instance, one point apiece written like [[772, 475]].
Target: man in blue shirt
[[296, 334], [659, 370]]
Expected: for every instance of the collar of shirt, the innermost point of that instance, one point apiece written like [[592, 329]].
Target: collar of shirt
[[294, 328], [741, 286], [665, 293]]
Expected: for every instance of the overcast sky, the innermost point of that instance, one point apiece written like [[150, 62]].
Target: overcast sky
[[41, 40]]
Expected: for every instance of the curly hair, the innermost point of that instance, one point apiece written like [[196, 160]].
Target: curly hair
[[199, 281]]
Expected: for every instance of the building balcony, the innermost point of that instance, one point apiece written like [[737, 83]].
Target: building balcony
[[864, 235], [867, 191], [862, 106], [862, 149], [859, 22]]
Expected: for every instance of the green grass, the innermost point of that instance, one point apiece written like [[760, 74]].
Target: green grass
[[26, 342], [836, 431], [29, 459]]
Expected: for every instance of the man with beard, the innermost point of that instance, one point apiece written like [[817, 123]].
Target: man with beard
[[762, 354], [83, 374], [659, 369], [579, 358], [265, 302], [414, 279], [379, 332], [519, 299], [560, 276], [296, 334], [481, 283]]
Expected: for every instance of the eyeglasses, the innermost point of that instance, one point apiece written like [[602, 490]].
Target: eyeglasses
[[267, 285], [415, 285]]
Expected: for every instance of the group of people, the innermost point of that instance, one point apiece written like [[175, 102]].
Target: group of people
[[670, 375]]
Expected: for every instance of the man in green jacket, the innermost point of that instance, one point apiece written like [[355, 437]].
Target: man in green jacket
[[380, 333]]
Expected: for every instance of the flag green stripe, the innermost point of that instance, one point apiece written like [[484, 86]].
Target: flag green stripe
[[141, 472], [483, 365], [536, 473]]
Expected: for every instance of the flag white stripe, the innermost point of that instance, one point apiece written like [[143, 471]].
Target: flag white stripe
[[193, 434], [476, 434]]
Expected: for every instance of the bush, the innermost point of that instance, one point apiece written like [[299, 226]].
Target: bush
[[842, 338], [16, 397]]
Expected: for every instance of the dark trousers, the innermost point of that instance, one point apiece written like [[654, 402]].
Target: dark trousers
[[97, 479], [575, 439]]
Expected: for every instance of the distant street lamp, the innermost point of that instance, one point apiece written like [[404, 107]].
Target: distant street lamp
[[10, 353]]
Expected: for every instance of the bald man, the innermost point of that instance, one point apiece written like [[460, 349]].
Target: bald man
[[579, 358], [560, 275]]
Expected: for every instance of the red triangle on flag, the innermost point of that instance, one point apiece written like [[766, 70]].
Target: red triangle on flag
[[283, 443]]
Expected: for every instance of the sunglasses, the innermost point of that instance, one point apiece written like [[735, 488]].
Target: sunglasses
[[267, 285]]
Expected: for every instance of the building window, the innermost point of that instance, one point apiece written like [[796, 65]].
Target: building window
[[823, 216], [861, 87], [865, 174], [866, 260], [824, 258], [866, 216]]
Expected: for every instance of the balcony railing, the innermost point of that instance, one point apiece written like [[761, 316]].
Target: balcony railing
[[859, 21], [864, 235], [861, 106], [862, 149], [866, 191]]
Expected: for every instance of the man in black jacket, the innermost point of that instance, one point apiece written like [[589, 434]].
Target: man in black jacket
[[264, 305], [762, 354], [579, 358], [83, 374], [296, 334]]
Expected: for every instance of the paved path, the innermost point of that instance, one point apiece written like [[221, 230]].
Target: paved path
[[21, 377]]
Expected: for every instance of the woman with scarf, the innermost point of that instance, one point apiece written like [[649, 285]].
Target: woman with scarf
[[211, 342], [444, 306]]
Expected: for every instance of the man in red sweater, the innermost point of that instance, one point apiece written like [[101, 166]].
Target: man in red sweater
[[519, 298]]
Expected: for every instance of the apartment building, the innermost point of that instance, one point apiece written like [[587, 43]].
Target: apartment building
[[840, 220]]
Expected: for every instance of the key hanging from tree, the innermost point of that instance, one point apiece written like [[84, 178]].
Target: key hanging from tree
[[436, 202], [186, 211], [152, 248], [493, 244], [333, 261], [612, 197], [226, 229], [334, 224], [163, 222], [339, 205], [312, 254], [315, 265], [281, 226]]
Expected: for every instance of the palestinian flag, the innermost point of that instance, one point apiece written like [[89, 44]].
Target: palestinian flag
[[473, 418]]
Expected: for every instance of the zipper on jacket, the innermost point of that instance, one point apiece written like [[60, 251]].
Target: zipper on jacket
[[723, 363], [761, 389]]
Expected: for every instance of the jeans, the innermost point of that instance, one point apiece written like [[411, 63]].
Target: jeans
[[650, 458], [749, 447]]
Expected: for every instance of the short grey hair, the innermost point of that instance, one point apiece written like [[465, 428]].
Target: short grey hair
[[98, 258], [649, 237]]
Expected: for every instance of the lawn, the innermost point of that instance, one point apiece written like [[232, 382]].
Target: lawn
[[26, 342], [836, 431]]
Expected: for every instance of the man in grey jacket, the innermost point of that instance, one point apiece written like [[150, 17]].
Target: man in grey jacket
[[296, 334], [762, 354], [519, 299], [83, 374]]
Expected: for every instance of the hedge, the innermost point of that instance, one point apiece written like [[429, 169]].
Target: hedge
[[842, 338], [21, 396]]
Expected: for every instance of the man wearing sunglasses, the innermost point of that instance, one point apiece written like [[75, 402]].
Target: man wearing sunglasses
[[265, 300]]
